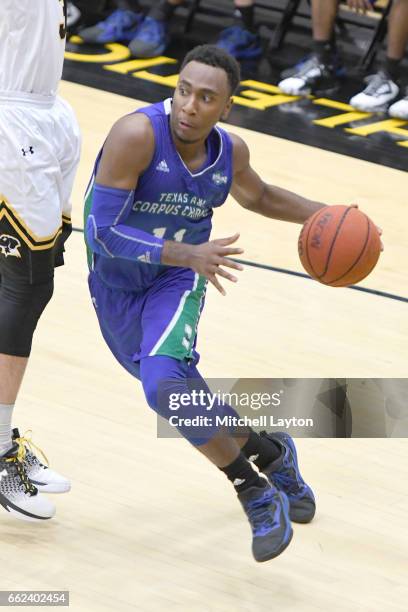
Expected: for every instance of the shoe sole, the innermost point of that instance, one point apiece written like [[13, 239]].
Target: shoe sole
[[302, 521], [147, 54], [19, 513], [378, 110], [279, 551]]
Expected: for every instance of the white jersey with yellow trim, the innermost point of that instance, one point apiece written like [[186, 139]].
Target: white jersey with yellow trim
[[32, 45]]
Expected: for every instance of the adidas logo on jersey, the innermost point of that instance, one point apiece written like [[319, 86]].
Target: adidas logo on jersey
[[219, 179], [145, 258], [162, 166]]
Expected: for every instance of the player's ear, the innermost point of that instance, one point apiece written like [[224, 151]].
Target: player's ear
[[227, 109]]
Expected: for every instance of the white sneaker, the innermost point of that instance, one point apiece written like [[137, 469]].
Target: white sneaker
[[399, 109], [380, 91], [17, 494], [306, 77], [45, 479], [73, 14]]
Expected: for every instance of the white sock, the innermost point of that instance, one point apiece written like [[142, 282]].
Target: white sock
[[6, 413]]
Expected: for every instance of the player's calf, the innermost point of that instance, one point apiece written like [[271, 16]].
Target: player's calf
[[21, 306]]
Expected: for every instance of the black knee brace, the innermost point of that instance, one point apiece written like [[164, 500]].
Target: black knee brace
[[21, 305]]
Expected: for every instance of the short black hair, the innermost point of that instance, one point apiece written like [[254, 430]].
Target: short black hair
[[213, 56]]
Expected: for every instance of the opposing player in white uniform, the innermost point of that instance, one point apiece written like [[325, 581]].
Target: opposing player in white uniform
[[39, 153]]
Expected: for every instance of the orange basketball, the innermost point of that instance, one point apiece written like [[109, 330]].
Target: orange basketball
[[339, 245]]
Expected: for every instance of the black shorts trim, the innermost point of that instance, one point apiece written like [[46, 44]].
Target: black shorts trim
[[29, 237], [22, 255]]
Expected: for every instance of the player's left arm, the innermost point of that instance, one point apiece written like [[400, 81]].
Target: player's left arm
[[251, 192]]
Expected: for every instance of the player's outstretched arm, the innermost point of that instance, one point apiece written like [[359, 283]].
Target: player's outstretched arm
[[251, 192]]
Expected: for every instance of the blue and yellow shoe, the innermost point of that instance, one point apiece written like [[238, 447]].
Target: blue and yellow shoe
[[284, 474], [120, 26], [151, 39], [240, 43], [267, 510]]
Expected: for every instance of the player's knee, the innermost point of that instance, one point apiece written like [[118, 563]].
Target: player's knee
[[21, 306], [150, 391], [160, 376], [41, 295]]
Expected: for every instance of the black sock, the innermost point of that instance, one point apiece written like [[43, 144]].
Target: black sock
[[163, 10], [246, 15], [242, 475], [325, 50], [261, 450], [129, 5], [392, 67]]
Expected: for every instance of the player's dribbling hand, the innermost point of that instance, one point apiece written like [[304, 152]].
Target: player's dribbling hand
[[207, 259], [377, 226]]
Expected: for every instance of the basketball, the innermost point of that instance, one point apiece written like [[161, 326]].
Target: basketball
[[339, 246]]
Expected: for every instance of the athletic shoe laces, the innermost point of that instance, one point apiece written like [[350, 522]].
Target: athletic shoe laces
[[260, 516], [19, 479], [152, 30], [309, 64], [376, 82], [26, 448], [287, 481], [119, 19]]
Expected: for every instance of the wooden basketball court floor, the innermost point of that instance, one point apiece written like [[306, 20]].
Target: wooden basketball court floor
[[149, 525]]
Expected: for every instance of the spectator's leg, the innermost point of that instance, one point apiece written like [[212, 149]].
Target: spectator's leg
[[244, 11], [396, 46], [320, 70], [323, 17], [383, 87], [128, 5], [397, 35]]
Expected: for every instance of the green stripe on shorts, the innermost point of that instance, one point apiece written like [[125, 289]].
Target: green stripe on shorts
[[87, 210], [178, 338]]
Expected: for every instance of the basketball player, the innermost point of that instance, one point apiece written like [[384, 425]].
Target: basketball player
[[148, 213], [39, 143]]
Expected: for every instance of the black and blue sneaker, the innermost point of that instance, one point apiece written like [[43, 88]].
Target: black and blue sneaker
[[240, 43], [151, 39], [267, 510], [120, 26], [284, 474]]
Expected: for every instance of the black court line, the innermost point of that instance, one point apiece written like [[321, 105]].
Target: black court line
[[391, 296]]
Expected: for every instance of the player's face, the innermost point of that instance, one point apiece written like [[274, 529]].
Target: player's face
[[202, 97]]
